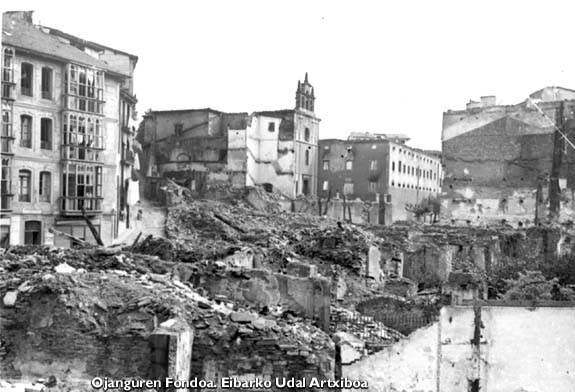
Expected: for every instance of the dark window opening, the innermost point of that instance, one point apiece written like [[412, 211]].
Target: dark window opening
[[33, 233], [305, 187], [46, 134], [307, 157], [46, 83], [306, 135], [271, 127], [26, 77]]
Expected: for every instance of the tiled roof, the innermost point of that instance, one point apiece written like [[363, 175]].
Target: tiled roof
[[25, 36]]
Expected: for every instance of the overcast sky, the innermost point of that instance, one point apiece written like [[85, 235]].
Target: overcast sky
[[376, 66]]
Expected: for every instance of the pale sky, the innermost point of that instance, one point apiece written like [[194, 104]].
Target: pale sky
[[376, 66]]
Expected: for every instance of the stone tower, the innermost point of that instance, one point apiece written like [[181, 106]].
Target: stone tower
[[304, 96]]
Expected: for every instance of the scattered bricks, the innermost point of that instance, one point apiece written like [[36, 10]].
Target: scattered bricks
[[10, 298]]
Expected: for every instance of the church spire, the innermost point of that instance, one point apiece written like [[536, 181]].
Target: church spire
[[305, 97]]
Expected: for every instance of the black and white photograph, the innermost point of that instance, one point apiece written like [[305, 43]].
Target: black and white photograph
[[252, 195]]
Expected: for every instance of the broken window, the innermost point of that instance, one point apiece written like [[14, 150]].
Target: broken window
[[326, 164], [46, 134], [85, 89], [33, 233], [46, 83], [372, 165], [82, 137], [271, 126], [306, 135], [26, 131], [81, 187], [26, 77], [24, 190], [348, 165], [45, 186]]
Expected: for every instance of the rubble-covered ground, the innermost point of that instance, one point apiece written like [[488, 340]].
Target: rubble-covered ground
[[55, 301]]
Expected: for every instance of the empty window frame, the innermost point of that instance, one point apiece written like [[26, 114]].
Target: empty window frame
[[33, 233], [325, 186], [46, 84], [26, 79], [325, 164], [82, 137], [81, 187], [46, 134], [24, 186], [85, 89], [45, 186], [372, 165], [348, 165], [26, 131], [348, 187]]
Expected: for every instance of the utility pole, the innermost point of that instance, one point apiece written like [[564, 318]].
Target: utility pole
[[554, 191]]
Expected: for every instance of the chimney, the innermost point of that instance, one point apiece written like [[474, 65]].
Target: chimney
[[25, 16], [488, 100]]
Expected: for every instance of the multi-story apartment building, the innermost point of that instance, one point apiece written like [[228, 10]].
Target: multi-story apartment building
[[199, 147], [61, 144], [379, 167]]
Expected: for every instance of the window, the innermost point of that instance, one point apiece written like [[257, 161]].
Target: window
[[325, 186], [399, 166], [373, 187], [6, 184], [326, 164], [26, 131], [178, 129], [271, 126], [82, 137], [81, 187], [6, 136], [45, 186], [348, 187], [85, 89], [305, 186], [24, 190], [372, 165], [8, 74], [46, 134], [46, 83], [392, 166], [306, 135], [348, 165], [26, 77], [32, 233], [307, 157]]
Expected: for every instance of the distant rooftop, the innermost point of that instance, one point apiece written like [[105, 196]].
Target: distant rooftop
[[378, 136]]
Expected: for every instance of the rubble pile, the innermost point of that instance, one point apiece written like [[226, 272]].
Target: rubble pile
[[113, 295]]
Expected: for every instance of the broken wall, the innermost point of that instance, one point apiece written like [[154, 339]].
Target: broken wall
[[496, 348], [309, 297]]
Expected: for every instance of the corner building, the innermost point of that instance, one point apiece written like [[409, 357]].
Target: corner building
[[60, 136]]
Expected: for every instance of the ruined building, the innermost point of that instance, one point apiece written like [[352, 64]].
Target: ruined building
[[498, 158], [379, 167], [200, 148], [66, 135]]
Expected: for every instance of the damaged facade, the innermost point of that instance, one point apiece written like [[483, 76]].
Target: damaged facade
[[378, 168], [498, 159], [199, 148], [63, 106]]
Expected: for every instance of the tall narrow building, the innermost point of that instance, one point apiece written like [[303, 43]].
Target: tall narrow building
[[61, 144]]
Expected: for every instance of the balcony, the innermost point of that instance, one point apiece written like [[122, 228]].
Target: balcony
[[6, 202], [73, 205], [8, 91], [127, 157]]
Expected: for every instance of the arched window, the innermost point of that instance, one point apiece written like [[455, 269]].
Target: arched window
[[306, 135]]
